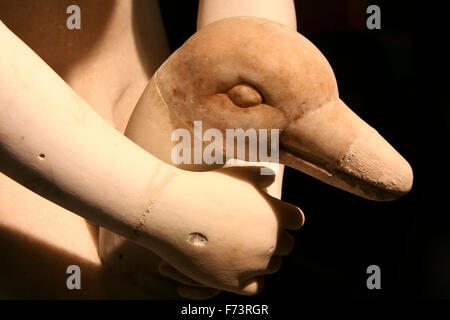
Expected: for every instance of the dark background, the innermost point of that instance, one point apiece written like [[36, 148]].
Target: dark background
[[396, 79]]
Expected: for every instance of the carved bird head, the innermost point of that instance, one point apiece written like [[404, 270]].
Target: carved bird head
[[252, 73]]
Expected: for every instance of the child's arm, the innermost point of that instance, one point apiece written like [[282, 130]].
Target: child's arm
[[282, 11], [45, 126]]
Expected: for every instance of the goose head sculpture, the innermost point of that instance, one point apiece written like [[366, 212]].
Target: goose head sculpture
[[253, 73]]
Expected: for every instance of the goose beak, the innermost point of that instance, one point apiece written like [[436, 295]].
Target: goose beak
[[335, 146]]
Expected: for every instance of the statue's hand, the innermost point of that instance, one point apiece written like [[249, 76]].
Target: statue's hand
[[191, 289], [187, 288], [220, 228]]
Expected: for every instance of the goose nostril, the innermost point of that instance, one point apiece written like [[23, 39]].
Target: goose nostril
[[243, 95]]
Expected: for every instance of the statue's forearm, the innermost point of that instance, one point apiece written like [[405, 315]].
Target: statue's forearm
[[46, 127], [282, 11]]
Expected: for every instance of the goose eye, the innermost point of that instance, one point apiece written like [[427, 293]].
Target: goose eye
[[244, 95]]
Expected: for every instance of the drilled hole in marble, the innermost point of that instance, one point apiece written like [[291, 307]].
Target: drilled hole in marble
[[197, 239]]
